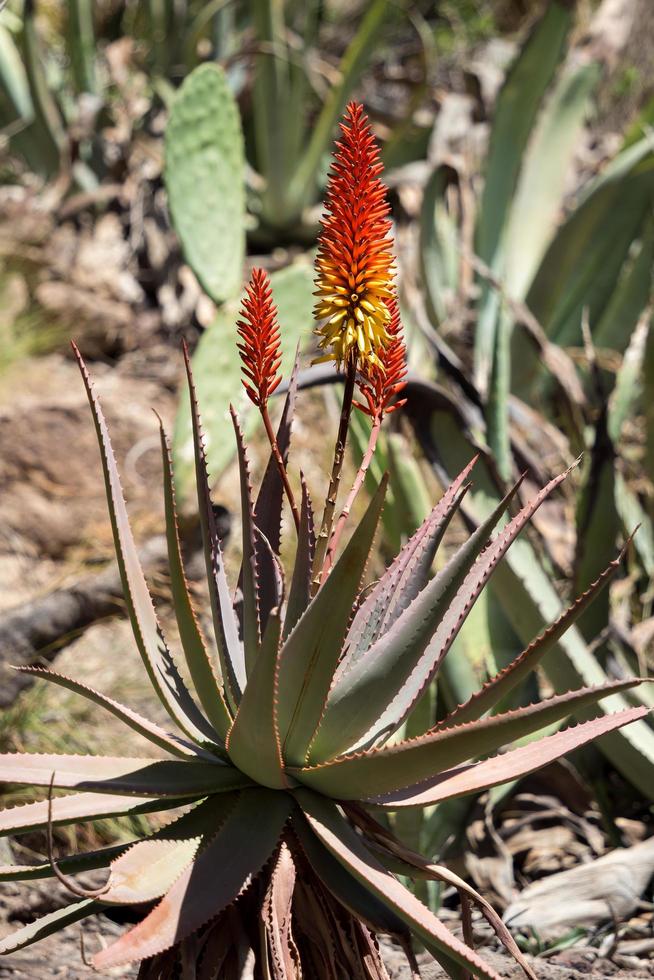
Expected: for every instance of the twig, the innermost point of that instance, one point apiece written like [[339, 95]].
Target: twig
[[65, 880]]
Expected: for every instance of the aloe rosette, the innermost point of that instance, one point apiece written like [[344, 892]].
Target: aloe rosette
[[286, 741]]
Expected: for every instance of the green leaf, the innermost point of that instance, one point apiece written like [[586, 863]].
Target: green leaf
[[299, 595], [78, 808], [230, 648], [205, 179], [342, 842], [310, 654], [106, 774], [509, 765], [379, 771], [151, 731], [516, 111], [628, 383], [215, 879], [148, 869], [200, 665], [526, 593], [439, 244], [254, 742], [217, 372], [49, 924], [624, 309], [161, 668]]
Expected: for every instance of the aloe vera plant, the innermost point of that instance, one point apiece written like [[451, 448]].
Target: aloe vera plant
[[286, 742]]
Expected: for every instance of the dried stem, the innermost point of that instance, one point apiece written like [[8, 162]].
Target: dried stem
[[356, 486], [335, 478], [270, 432]]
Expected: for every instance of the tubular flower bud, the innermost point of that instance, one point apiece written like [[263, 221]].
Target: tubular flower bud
[[354, 267], [259, 330], [381, 383]]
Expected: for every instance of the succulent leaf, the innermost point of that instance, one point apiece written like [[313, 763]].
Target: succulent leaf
[[507, 680], [148, 869], [342, 842], [251, 634], [253, 742], [219, 874], [403, 579], [150, 641], [370, 692], [104, 774], [310, 654], [78, 808], [299, 594], [165, 740], [378, 771], [49, 924], [203, 674], [475, 777], [230, 648]]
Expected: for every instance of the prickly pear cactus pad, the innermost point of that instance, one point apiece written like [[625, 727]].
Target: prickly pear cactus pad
[[204, 175]]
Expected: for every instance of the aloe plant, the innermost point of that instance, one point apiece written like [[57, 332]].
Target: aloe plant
[[286, 741]]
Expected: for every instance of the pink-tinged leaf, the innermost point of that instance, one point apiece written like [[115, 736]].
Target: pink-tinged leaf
[[150, 641], [453, 619], [300, 592], [309, 656], [508, 679], [230, 648], [402, 860], [404, 578], [49, 924], [363, 693], [253, 742], [165, 740], [104, 774], [349, 850], [250, 605], [384, 770], [207, 685], [511, 765], [217, 877], [276, 913], [77, 809], [148, 868], [346, 888]]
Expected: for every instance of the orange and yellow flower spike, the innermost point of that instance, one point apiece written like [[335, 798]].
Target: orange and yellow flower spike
[[354, 267], [380, 384]]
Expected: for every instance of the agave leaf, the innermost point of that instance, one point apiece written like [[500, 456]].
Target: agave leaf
[[386, 769], [403, 579], [250, 625], [150, 641], [205, 681], [333, 831], [253, 742], [346, 888], [230, 648], [48, 924], [309, 656], [148, 869], [104, 774], [299, 594], [171, 743], [361, 697], [479, 776], [216, 878], [78, 808], [496, 689], [440, 251]]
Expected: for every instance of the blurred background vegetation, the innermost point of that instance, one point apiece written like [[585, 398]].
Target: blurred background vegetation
[[152, 150]]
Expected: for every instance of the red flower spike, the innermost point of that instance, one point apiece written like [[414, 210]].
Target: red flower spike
[[354, 267], [381, 383], [259, 330]]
